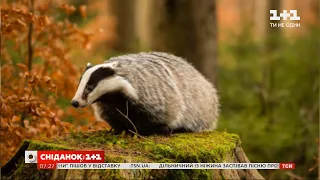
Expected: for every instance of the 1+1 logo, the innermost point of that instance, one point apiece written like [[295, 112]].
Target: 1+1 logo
[[292, 15]]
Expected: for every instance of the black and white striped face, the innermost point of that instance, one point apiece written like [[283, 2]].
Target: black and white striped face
[[97, 81]]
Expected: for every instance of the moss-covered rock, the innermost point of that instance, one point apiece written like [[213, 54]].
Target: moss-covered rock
[[206, 147]]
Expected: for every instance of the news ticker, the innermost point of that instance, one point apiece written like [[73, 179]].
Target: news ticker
[[175, 165], [95, 160]]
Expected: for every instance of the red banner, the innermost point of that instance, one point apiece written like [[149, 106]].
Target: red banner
[[287, 166], [48, 159]]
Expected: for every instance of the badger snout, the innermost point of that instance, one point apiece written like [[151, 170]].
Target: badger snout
[[78, 103], [74, 103]]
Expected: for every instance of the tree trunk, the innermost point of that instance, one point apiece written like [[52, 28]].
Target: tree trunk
[[208, 147], [261, 19], [144, 12], [124, 11], [187, 28]]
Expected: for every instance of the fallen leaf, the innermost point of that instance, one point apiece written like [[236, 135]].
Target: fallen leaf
[[22, 67]]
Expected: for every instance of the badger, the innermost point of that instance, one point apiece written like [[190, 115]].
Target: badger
[[149, 93]]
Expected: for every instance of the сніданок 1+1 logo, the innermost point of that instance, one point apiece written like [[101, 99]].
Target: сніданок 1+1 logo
[[292, 15]]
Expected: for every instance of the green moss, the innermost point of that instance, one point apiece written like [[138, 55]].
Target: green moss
[[111, 174], [38, 145], [102, 137], [203, 147], [114, 158], [196, 147], [185, 147]]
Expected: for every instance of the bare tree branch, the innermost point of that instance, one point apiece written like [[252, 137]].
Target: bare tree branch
[[30, 48]]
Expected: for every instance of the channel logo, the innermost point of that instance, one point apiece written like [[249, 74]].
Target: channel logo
[[30, 156]]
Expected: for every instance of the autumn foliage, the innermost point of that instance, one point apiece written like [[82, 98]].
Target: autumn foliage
[[38, 78]]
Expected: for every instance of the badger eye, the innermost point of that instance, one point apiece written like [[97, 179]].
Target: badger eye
[[89, 88]]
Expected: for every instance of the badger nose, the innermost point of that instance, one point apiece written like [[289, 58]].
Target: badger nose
[[74, 104]]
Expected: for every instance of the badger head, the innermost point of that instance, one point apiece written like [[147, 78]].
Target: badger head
[[99, 80]]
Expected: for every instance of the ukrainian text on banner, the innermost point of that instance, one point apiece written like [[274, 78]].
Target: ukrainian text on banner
[[175, 166]]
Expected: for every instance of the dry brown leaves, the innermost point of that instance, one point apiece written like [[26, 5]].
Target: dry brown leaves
[[29, 98]]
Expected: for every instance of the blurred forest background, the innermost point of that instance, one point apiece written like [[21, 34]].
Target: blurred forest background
[[268, 78]]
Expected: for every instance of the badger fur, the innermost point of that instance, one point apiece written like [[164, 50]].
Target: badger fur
[[152, 93]]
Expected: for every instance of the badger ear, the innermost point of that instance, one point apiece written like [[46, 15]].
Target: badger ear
[[108, 71], [89, 65]]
